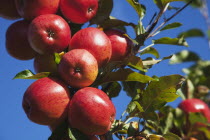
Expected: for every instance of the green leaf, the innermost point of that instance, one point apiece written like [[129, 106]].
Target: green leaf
[[197, 117], [162, 3], [192, 33], [184, 56], [168, 122], [152, 51], [139, 107], [136, 63], [27, 74], [171, 26], [75, 134], [148, 63], [171, 41], [171, 136], [196, 3], [112, 89], [125, 75], [140, 9], [103, 13], [158, 93], [60, 132], [132, 129], [57, 57]]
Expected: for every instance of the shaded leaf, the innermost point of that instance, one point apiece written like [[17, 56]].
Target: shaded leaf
[[171, 41], [125, 75], [104, 10], [197, 117], [171, 26], [139, 29], [168, 122], [135, 62], [184, 56], [132, 129], [140, 9], [196, 3], [162, 3], [112, 89], [192, 33], [152, 51], [27, 74], [60, 132], [75, 134], [158, 93], [171, 136]]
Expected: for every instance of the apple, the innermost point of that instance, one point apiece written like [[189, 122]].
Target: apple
[[91, 111], [29, 9], [45, 63], [121, 44], [79, 11], [78, 68], [46, 101], [8, 9], [195, 105], [49, 33], [95, 41], [17, 44]]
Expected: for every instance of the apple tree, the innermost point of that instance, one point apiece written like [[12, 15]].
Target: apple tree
[[84, 57]]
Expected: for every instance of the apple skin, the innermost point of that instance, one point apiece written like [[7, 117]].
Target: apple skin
[[121, 44], [95, 41], [45, 63], [49, 33], [195, 105], [17, 44], [79, 11], [91, 111], [29, 9], [46, 101], [8, 9], [78, 68]]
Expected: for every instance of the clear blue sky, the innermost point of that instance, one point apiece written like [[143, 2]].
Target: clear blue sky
[[14, 123]]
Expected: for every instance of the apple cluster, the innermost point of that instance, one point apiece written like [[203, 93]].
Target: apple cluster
[[43, 31]]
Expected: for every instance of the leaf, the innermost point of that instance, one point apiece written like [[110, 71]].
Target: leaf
[[103, 13], [171, 41], [168, 122], [112, 89], [196, 3], [58, 57], [60, 132], [75, 134], [27, 74], [135, 62], [147, 63], [197, 117], [158, 93], [171, 136], [125, 75], [139, 107], [140, 9], [192, 33], [162, 3], [171, 26], [133, 128], [184, 56], [152, 51]]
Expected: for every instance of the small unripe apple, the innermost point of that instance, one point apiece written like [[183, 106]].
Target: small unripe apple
[[79, 11], [195, 105], [17, 44], [46, 101], [45, 63], [29, 9], [91, 111], [8, 9], [78, 68], [121, 44], [49, 33], [95, 41]]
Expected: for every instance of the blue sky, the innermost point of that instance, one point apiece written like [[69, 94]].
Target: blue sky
[[14, 123]]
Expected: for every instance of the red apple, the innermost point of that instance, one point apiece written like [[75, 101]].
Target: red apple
[[17, 44], [46, 100], [121, 44], [79, 11], [195, 105], [95, 41], [45, 63], [78, 68], [91, 111], [8, 9], [49, 33], [29, 9]]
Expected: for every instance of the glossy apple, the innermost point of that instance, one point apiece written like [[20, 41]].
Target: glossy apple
[[29, 9], [95, 41], [45, 63], [91, 111], [79, 11], [121, 44], [17, 44], [46, 101], [195, 105], [78, 68], [49, 33], [8, 9]]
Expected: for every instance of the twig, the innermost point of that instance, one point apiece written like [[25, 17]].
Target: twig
[[146, 47], [168, 19]]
